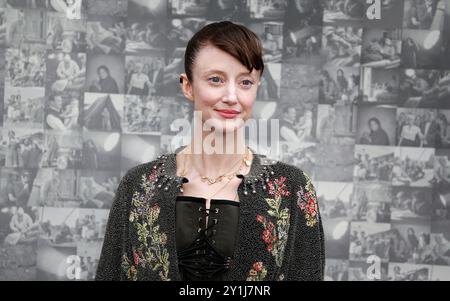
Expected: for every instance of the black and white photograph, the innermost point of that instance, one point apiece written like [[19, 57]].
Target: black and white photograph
[[421, 88], [373, 163], [411, 204], [65, 72], [422, 14], [266, 10], [54, 188], [105, 74], [339, 85], [62, 149], [144, 75], [342, 45], [335, 199], [371, 202], [336, 123], [57, 244], [146, 27], [63, 111], [190, 8], [409, 272], [115, 8], [18, 243], [410, 243], [25, 66], [21, 147], [231, 10], [381, 48], [16, 185], [441, 185], [376, 125], [271, 35], [380, 86], [421, 49], [65, 35], [96, 189], [420, 127], [101, 150], [349, 12], [106, 35], [142, 114], [336, 270], [413, 167], [368, 239], [103, 112], [24, 107], [24, 25]]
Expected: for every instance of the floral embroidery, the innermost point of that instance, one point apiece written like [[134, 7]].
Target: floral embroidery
[[257, 273], [152, 251], [307, 201], [275, 232]]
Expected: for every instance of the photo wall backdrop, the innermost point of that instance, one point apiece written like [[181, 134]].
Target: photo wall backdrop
[[361, 90]]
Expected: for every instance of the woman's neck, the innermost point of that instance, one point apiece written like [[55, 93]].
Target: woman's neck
[[217, 160]]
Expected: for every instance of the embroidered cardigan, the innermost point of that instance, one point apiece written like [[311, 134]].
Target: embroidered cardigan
[[280, 234]]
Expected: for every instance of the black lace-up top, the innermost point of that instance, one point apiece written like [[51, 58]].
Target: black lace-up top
[[205, 251]]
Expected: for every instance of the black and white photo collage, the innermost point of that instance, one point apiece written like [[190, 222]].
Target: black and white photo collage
[[361, 91]]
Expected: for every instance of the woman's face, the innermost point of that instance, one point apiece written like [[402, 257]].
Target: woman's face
[[221, 82], [373, 125], [102, 73]]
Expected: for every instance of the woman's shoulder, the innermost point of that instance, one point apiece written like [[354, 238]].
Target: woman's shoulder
[[294, 174]]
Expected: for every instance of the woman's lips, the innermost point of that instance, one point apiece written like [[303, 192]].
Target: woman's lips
[[228, 113]]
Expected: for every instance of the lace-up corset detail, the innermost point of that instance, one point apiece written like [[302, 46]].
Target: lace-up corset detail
[[205, 250]]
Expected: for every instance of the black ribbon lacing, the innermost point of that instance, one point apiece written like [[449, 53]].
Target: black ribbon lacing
[[201, 259]]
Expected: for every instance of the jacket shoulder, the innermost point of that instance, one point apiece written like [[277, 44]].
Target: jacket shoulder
[[295, 175]]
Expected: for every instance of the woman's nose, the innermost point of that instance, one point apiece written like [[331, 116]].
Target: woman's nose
[[231, 92]]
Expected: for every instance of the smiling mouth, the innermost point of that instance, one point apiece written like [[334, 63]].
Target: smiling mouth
[[228, 113]]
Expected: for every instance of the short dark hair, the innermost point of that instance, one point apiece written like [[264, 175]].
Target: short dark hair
[[235, 39]]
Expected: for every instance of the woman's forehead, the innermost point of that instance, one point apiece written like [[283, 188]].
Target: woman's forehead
[[213, 59]]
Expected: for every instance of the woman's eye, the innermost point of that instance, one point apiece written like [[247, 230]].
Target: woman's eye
[[247, 83], [215, 79]]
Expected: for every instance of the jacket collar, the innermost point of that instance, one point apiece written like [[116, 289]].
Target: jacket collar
[[251, 190], [260, 172]]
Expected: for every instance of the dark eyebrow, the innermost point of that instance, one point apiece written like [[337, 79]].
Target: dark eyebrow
[[221, 72]]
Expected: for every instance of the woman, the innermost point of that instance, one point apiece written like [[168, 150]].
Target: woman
[[139, 82], [213, 216], [341, 81], [105, 83], [377, 135], [411, 135], [409, 53]]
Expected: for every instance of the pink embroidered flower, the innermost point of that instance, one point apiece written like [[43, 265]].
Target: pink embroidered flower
[[136, 258], [270, 226], [278, 187], [267, 236], [258, 266], [260, 218], [307, 202], [311, 208]]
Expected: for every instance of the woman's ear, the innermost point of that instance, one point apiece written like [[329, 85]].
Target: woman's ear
[[186, 86]]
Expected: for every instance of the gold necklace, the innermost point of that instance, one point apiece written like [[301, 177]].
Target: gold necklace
[[211, 181]]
